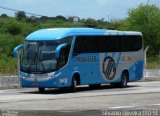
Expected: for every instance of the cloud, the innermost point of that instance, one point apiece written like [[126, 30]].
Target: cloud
[[102, 2]]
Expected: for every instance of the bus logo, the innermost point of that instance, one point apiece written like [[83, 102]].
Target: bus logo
[[109, 68]]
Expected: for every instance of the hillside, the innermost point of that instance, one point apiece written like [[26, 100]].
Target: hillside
[[13, 30]]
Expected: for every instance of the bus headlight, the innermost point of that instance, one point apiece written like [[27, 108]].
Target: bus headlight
[[51, 75]]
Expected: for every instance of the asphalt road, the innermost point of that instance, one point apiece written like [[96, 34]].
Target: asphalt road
[[139, 98]]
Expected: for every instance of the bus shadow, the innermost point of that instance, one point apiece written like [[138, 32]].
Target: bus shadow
[[81, 89]]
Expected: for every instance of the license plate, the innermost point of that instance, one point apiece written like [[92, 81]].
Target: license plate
[[39, 75]]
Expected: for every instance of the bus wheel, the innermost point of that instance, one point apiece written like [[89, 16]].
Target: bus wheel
[[41, 90], [74, 85], [123, 83], [124, 80]]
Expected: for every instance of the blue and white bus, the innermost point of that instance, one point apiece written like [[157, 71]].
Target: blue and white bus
[[68, 57]]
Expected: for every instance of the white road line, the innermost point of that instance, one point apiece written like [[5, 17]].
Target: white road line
[[118, 107], [155, 104]]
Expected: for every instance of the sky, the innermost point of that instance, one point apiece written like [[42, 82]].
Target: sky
[[96, 9]]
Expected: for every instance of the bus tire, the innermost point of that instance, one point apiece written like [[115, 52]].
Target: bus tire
[[123, 83], [74, 85], [124, 80], [41, 89]]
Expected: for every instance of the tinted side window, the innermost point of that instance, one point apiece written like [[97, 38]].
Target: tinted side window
[[87, 44], [136, 43], [97, 44], [78, 47], [124, 43], [93, 44]]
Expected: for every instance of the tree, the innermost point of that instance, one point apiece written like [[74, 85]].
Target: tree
[[74, 19], [44, 18], [70, 19], [14, 29], [59, 17], [90, 23], [21, 15], [146, 18], [4, 15]]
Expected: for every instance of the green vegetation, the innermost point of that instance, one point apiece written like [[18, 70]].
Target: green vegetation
[[153, 63], [146, 19], [13, 30]]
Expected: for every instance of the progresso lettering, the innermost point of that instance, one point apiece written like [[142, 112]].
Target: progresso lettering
[[86, 59]]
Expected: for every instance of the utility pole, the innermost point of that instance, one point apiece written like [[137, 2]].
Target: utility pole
[[145, 58], [147, 2]]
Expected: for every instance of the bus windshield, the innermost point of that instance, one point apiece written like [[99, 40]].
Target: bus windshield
[[39, 56]]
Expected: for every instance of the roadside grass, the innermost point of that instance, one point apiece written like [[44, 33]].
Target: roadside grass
[[8, 66], [153, 63]]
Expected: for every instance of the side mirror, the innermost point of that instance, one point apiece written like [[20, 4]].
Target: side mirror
[[58, 49], [15, 52]]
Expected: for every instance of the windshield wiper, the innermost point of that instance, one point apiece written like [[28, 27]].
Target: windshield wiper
[[32, 62], [40, 52], [44, 70]]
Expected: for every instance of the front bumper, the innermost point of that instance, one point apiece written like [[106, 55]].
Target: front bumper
[[38, 82]]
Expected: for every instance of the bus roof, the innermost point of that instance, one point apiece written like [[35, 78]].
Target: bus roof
[[58, 33]]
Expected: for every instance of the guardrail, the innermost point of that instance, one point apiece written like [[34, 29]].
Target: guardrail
[[7, 82], [151, 73]]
